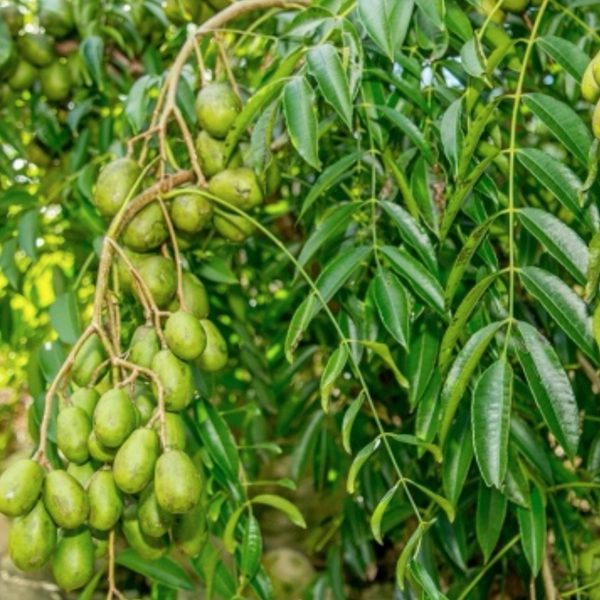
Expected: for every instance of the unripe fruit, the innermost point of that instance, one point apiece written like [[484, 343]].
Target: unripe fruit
[[13, 17], [191, 213], [126, 280], [154, 520], [83, 473], [144, 346], [73, 559], [185, 336], [32, 539], [106, 501], [190, 533], [23, 77], [176, 378], [210, 153], [175, 435], [180, 12], [214, 356], [36, 49], [515, 6], [86, 399], [134, 464], [56, 17], [194, 296], [596, 120], [486, 7], [177, 482], [55, 81], [115, 182], [238, 187], [20, 487], [99, 451], [217, 107], [114, 418], [65, 499], [147, 230], [149, 548], [144, 400], [160, 275], [235, 228], [90, 356], [73, 427]]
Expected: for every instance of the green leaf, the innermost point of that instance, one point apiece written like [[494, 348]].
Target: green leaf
[[326, 67], [386, 22], [392, 304], [64, 317], [359, 460], [435, 10], [229, 540], [332, 225], [28, 233], [217, 270], [305, 448], [491, 512], [337, 272], [285, 506], [569, 56], [408, 127], [379, 511], [422, 355], [163, 570], [593, 271], [472, 57], [335, 365], [383, 351], [458, 324], [532, 525], [407, 552], [424, 579], [550, 387], [299, 109], [421, 281], [428, 410], [298, 325], [349, 418], [412, 233], [554, 175], [566, 308], [457, 458], [91, 51], [563, 122], [531, 447], [451, 133], [407, 438], [251, 550], [354, 54], [444, 504], [562, 243], [218, 439], [88, 591], [491, 421]]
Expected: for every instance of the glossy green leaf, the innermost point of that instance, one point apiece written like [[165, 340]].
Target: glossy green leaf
[[229, 540], [383, 351], [532, 525], [407, 438], [562, 243], [379, 511], [338, 271], [490, 412], [422, 355], [425, 580], [298, 325], [217, 270], [91, 51], [428, 410], [354, 52], [421, 281], [325, 65], [461, 371], [457, 458], [550, 387], [359, 460], [407, 554], [442, 502], [64, 317], [563, 122], [305, 447], [251, 549], [333, 369], [301, 119], [517, 485], [531, 447], [489, 521], [568, 55], [163, 570], [392, 304], [566, 308], [473, 58], [285, 506], [349, 418], [451, 133], [593, 271]]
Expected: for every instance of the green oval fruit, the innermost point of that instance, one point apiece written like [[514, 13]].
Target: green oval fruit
[[114, 418], [73, 427], [176, 378], [83, 473], [217, 107], [86, 399], [185, 336], [180, 12], [175, 435], [154, 520], [487, 6], [55, 81], [134, 464], [290, 571], [89, 358], [100, 541], [38, 154], [235, 228], [36, 49], [99, 451], [13, 18], [596, 121], [191, 213], [20, 487], [211, 157], [115, 182], [238, 187], [65, 499], [194, 296], [160, 276], [56, 17], [106, 501], [177, 482], [126, 280], [147, 230], [23, 77], [32, 539], [190, 532], [215, 355], [144, 346], [273, 179], [73, 559], [515, 6], [144, 400], [149, 548]]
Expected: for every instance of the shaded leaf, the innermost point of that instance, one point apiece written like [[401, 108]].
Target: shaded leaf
[[458, 456], [251, 550], [349, 418], [359, 460], [163, 570], [532, 525], [91, 51], [491, 511], [333, 369], [569, 56], [392, 304], [379, 511], [64, 317], [451, 133], [383, 351], [283, 505], [424, 579]]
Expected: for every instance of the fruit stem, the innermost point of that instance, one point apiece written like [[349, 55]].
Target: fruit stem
[[113, 591]]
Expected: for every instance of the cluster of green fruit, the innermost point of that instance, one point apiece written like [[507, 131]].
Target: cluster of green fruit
[[590, 90], [180, 12], [29, 57], [511, 6]]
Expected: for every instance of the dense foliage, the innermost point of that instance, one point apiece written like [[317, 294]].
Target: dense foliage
[[408, 295]]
